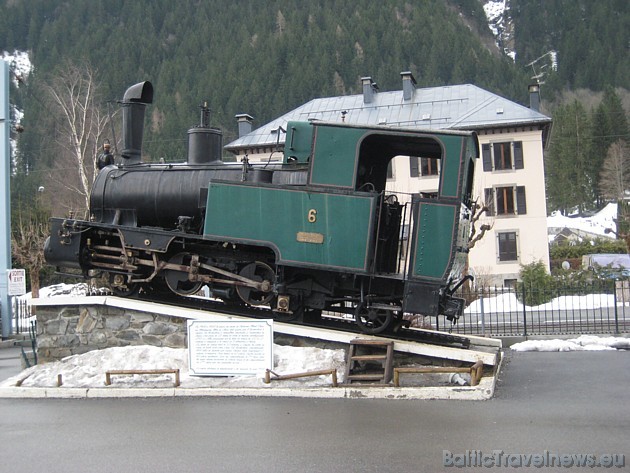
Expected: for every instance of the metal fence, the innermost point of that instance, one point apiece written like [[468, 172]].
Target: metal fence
[[594, 308], [22, 316]]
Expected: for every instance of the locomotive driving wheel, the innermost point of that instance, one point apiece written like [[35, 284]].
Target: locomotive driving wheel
[[372, 320], [258, 272], [177, 281], [121, 287]]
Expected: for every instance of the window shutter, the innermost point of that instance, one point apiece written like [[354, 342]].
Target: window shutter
[[489, 200], [390, 169], [521, 203], [487, 157], [518, 155], [413, 166], [498, 150], [508, 250]]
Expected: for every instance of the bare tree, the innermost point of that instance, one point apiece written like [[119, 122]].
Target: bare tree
[[614, 182], [614, 177], [80, 126], [27, 244], [477, 232]]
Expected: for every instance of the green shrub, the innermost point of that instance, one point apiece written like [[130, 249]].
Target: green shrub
[[536, 285], [564, 252]]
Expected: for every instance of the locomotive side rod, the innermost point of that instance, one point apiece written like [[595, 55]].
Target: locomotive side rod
[[234, 279]]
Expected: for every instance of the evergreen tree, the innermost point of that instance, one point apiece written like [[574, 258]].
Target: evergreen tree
[[568, 176], [610, 124]]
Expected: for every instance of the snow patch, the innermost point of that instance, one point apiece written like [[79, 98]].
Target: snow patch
[[20, 64], [88, 370], [596, 225], [582, 343], [501, 25]]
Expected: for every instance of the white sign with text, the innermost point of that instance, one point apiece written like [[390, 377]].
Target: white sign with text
[[230, 347], [16, 279]]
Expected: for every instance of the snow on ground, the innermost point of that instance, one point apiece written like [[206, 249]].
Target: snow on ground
[[20, 62], [582, 343], [509, 303], [88, 370], [596, 224], [494, 10]]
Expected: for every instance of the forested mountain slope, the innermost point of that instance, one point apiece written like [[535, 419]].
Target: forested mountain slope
[[264, 58]]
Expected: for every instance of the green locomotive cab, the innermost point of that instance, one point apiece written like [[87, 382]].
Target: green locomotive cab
[[342, 240]]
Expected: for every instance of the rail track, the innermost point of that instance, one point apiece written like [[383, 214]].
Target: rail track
[[327, 321]]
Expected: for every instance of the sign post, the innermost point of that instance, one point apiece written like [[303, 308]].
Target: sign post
[[5, 204]]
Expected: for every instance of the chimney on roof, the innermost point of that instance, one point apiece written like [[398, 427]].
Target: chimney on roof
[[409, 85], [534, 97], [245, 122], [369, 89]]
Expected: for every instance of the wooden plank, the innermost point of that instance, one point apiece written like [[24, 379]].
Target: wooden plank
[[368, 357]]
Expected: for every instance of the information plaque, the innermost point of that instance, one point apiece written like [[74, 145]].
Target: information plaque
[[16, 282], [230, 348]]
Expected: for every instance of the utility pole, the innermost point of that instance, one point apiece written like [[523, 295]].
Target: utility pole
[[5, 201]]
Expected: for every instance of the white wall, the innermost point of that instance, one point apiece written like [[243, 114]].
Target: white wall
[[531, 228]]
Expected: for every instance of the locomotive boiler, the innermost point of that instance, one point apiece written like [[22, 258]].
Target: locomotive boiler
[[320, 231]]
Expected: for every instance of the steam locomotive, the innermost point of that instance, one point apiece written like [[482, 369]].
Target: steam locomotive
[[319, 231]]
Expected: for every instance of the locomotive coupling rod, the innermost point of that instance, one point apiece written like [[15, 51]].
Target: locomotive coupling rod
[[235, 279], [264, 286]]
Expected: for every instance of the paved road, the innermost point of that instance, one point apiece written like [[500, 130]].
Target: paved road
[[10, 362], [565, 403]]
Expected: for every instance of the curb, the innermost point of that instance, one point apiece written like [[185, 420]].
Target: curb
[[481, 392]]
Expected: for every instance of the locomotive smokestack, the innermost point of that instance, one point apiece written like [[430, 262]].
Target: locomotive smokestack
[[133, 105]]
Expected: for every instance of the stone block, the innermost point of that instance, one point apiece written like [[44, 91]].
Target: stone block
[[97, 338], [72, 311], [152, 340], [46, 342], [175, 340], [139, 318], [80, 350], [116, 323], [59, 353], [158, 328], [87, 322], [44, 316], [128, 335], [68, 341], [56, 327]]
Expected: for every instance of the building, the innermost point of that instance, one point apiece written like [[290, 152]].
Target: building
[[509, 178]]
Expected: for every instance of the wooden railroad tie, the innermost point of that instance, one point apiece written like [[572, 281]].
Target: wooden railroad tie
[[278, 377], [475, 371], [108, 374]]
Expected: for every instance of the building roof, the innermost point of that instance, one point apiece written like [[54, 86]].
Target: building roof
[[456, 107]]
